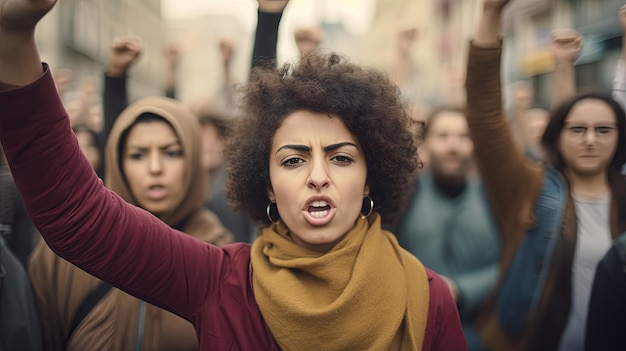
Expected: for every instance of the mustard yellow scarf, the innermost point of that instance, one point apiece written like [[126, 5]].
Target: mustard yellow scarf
[[366, 293]]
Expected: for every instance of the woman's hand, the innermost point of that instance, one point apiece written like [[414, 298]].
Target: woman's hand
[[488, 33], [19, 59], [125, 51], [21, 16], [272, 6], [566, 45]]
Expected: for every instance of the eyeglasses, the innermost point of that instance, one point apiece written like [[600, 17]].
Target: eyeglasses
[[600, 131]]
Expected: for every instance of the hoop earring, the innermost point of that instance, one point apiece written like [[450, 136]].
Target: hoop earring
[[369, 205], [269, 210]]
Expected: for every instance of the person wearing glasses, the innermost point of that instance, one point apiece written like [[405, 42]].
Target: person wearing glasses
[[573, 203], [322, 157]]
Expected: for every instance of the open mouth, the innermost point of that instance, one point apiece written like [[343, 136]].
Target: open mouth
[[157, 192], [319, 212], [319, 209]]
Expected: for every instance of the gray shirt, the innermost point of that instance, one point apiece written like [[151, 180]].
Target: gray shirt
[[593, 242], [456, 237]]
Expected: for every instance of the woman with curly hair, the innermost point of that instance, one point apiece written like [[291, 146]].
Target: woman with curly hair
[[323, 157]]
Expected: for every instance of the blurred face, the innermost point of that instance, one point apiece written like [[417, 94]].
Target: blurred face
[[589, 138], [212, 148], [154, 166], [318, 176], [448, 145], [89, 148]]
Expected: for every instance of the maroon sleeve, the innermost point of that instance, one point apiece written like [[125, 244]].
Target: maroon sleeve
[[443, 329], [87, 224]]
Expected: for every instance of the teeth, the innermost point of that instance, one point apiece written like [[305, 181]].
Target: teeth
[[319, 214], [319, 204]]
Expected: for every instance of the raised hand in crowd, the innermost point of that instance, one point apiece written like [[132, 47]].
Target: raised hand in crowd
[[619, 80], [622, 19], [172, 57], [227, 51], [308, 39], [272, 6], [172, 61], [125, 51], [488, 32], [266, 35], [19, 58], [406, 39], [566, 47]]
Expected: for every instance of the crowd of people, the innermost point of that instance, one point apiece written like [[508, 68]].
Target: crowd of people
[[320, 209]]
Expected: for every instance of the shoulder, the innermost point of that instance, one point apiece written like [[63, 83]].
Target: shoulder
[[439, 291], [444, 331], [239, 256], [442, 305]]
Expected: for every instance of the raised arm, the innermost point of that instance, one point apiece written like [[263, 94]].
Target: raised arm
[[172, 59], [19, 59], [566, 47], [619, 81], [125, 51], [79, 218], [266, 35], [506, 173]]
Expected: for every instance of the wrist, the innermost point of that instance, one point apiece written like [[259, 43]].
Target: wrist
[[564, 63], [115, 72]]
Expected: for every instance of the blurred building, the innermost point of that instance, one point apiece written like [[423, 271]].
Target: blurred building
[[439, 54], [77, 35], [198, 34], [201, 73], [528, 27]]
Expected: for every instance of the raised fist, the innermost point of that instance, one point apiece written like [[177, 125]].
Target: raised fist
[[566, 45], [172, 56], [406, 39], [21, 16], [308, 39], [272, 6], [227, 48], [124, 52]]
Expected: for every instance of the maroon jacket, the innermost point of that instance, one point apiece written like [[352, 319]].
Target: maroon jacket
[[95, 229]]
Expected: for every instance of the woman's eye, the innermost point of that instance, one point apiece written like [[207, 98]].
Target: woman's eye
[[341, 159], [136, 156], [578, 130], [174, 153], [292, 162], [604, 130]]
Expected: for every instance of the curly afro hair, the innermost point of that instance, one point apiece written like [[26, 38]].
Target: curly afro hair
[[366, 100]]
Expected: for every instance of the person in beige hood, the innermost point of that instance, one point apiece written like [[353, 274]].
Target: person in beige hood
[[153, 162]]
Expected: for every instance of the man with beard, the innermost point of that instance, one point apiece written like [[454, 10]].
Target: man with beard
[[448, 224]]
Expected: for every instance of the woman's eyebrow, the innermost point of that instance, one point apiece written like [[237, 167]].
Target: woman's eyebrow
[[295, 147], [339, 145]]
